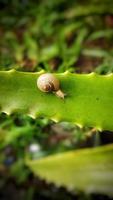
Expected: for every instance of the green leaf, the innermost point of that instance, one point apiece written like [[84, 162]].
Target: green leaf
[[89, 170], [91, 9], [89, 100]]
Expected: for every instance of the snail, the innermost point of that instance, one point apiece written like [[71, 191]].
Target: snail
[[49, 83]]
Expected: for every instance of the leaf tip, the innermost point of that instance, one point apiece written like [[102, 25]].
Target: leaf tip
[[12, 71], [32, 116], [55, 119], [109, 75], [79, 125], [66, 72], [92, 74], [41, 72], [98, 128], [7, 112]]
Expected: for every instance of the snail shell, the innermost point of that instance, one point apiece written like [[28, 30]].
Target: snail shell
[[48, 83]]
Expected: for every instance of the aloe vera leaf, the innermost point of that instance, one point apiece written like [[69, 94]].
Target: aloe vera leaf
[[89, 170], [89, 100]]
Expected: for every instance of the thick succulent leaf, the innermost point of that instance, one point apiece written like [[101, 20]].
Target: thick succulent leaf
[[89, 100], [89, 170]]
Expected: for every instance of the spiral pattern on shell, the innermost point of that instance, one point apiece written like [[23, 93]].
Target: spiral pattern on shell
[[48, 82]]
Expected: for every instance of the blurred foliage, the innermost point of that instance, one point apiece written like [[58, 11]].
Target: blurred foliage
[[44, 37], [55, 35]]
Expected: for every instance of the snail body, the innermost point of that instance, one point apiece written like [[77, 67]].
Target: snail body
[[49, 83]]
